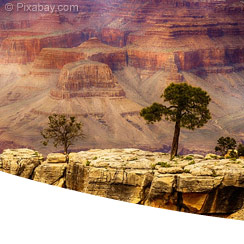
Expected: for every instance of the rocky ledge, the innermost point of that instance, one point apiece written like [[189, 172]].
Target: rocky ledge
[[191, 183]]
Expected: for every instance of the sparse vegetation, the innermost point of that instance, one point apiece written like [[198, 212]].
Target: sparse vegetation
[[192, 162], [188, 108], [214, 174], [224, 144], [240, 150], [88, 162], [164, 164], [63, 131], [153, 166], [188, 158]]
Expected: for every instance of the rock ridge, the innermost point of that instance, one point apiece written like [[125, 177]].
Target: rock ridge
[[191, 183]]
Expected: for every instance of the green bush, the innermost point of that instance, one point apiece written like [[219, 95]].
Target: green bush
[[192, 162], [164, 164], [240, 150], [224, 144], [188, 158]]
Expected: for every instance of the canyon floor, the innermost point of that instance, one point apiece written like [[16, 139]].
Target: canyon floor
[[110, 59]]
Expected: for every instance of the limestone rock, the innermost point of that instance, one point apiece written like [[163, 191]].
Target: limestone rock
[[189, 183], [56, 158], [239, 215], [52, 174], [213, 186], [20, 162], [194, 201]]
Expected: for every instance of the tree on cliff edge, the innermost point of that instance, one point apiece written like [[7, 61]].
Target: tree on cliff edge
[[187, 107], [63, 131]]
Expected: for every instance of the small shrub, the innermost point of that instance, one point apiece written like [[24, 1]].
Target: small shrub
[[224, 144], [214, 174], [192, 162], [95, 158], [187, 171], [188, 158], [240, 150], [214, 156], [88, 162], [164, 164], [233, 154], [153, 166]]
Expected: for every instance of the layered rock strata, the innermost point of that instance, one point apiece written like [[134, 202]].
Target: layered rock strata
[[146, 44], [87, 79], [24, 49], [93, 49], [192, 183]]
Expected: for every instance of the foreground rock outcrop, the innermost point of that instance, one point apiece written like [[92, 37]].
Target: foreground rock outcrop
[[192, 183]]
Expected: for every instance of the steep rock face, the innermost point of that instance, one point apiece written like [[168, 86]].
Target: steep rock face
[[93, 49], [191, 183], [87, 79], [56, 58], [114, 37], [24, 49]]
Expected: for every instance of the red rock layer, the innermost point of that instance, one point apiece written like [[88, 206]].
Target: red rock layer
[[25, 49], [87, 79], [93, 49]]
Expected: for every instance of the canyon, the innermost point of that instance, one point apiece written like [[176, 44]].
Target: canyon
[[191, 183], [108, 60]]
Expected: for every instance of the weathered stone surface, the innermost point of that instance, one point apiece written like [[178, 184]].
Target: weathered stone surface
[[239, 215], [52, 174], [188, 184], [194, 201], [56, 158], [20, 162], [111, 172]]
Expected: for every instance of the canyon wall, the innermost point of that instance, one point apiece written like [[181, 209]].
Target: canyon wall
[[144, 46]]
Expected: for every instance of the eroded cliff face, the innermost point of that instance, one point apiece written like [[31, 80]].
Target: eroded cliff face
[[146, 45], [191, 183], [87, 79]]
